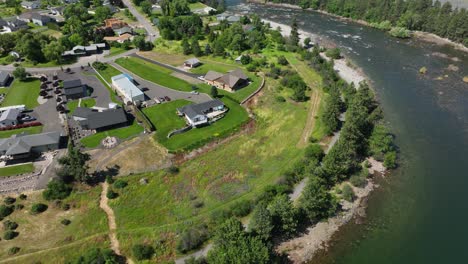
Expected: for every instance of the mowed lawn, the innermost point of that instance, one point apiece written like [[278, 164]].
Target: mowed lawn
[[154, 73], [107, 74], [87, 102], [165, 119], [25, 93], [28, 130], [16, 169], [120, 133]]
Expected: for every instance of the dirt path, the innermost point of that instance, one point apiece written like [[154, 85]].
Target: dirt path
[[313, 110], [103, 203]]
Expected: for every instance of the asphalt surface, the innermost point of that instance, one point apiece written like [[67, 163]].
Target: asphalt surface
[[144, 22], [170, 67]]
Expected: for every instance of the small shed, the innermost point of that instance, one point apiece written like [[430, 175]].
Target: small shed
[[192, 63]]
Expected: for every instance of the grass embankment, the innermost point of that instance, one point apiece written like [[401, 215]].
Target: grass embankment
[[27, 130], [16, 170], [116, 51], [20, 93], [120, 133], [107, 74], [197, 5], [87, 102], [43, 238]]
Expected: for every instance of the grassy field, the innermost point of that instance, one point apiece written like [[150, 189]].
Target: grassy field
[[16, 170], [165, 119], [154, 73], [87, 102], [54, 242], [28, 130], [25, 93], [107, 74], [121, 133], [116, 51], [237, 170], [197, 5]]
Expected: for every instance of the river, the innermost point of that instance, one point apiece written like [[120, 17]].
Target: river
[[420, 212]]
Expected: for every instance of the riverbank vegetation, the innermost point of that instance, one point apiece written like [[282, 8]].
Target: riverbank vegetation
[[422, 15]]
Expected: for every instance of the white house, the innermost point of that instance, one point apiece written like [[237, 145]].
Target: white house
[[201, 114], [125, 87], [9, 117], [31, 5]]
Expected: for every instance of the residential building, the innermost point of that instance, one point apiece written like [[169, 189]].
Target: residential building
[[114, 23], [123, 30], [31, 5], [192, 63], [204, 11], [201, 114], [15, 25], [230, 81], [74, 89], [90, 119], [41, 20], [24, 145], [85, 50], [120, 39], [125, 87], [57, 10], [9, 117], [26, 17], [5, 78]]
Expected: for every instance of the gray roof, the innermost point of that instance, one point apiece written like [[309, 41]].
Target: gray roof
[[4, 76], [193, 61], [10, 114], [71, 83], [73, 87], [199, 109], [83, 112], [231, 78], [42, 18], [212, 75], [111, 117], [2, 22], [123, 30], [22, 143]]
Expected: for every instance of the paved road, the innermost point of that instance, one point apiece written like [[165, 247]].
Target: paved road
[[152, 32], [155, 90], [170, 67]]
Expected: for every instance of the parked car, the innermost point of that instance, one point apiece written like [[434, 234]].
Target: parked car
[[157, 100], [161, 99], [167, 98], [194, 92], [26, 118]]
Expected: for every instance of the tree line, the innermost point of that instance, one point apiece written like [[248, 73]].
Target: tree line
[[424, 15]]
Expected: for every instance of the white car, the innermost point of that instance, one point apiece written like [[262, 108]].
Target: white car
[[194, 92], [157, 100]]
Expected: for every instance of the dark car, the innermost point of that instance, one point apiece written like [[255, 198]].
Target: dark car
[[161, 99], [167, 98], [26, 118]]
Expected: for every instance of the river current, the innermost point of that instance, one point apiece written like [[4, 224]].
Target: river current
[[420, 212]]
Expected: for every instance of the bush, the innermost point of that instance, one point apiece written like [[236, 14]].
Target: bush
[[400, 32], [384, 25], [141, 252], [333, 53], [10, 234], [111, 194], [390, 160], [348, 193], [109, 179], [65, 222], [56, 190], [9, 200], [5, 211], [358, 181], [174, 169], [10, 225], [282, 60], [120, 184], [13, 250], [192, 239], [38, 208], [19, 207], [65, 207], [251, 68], [242, 208], [23, 196], [280, 99], [99, 66]]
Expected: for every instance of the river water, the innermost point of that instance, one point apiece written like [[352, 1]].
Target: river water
[[420, 212]]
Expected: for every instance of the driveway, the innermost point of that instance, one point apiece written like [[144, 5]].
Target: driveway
[[153, 90], [144, 22]]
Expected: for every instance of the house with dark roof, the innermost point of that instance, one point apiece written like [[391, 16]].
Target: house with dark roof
[[5, 78], [123, 30], [90, 119], [9, 117], [201, 114], [192, 63], [15, 25], [230, 81], [74, 89], [31, 5], [85, 50], [41, 20], [24, 145]]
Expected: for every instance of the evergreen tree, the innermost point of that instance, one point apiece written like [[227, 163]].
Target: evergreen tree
[[186, 47], [196, 47], [294, 37]]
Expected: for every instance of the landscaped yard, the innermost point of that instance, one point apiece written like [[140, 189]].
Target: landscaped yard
[[165, 119], [17, 169], [116, 51], [197, 5], [25, 93], [107, 74], [87, 102], [28, 130], [121, 133]]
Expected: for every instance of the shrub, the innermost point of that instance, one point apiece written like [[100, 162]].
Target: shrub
[[358, 181], [10, 225], [333, 53], [23, 196], [192, 239], [141, 252], [56, 190], [242, 208], [314, 151], [13, 250], [174, 169], [280, 99], [19, 207], [282, 60], [348, 193], [390, 160], [65, 222], [384, 25], [109, 179], [38, 208], [65, 207], [5, 211], [120, 184], [400, 32], [9, 200], [10, 234], [99, 66], [251, 68], [111, 194]]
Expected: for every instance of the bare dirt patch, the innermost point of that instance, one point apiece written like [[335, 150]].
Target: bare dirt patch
[[314, 107]]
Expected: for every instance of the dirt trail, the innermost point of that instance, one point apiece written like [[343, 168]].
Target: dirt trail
[[104, 204], [314, 107]]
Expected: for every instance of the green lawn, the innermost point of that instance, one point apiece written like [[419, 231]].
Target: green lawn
[[116, 51], [107, 74], [87, 102], [28, 130], [25, 93], [121, 133], [154, 73], [165, 119], [197, 5], [17, 169]]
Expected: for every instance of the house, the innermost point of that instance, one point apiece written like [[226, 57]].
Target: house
[[41, 20], [192, 63], [85, 50], [24, 145], [124, 86], [57, 10], [31, 5], [203, 113], [114, 23], [230, 81], [120, 39], [204, 11], [90, 119], [73, 89], [26, 17], [123, 30], [9, 117], [4, 78], [15, 25]]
